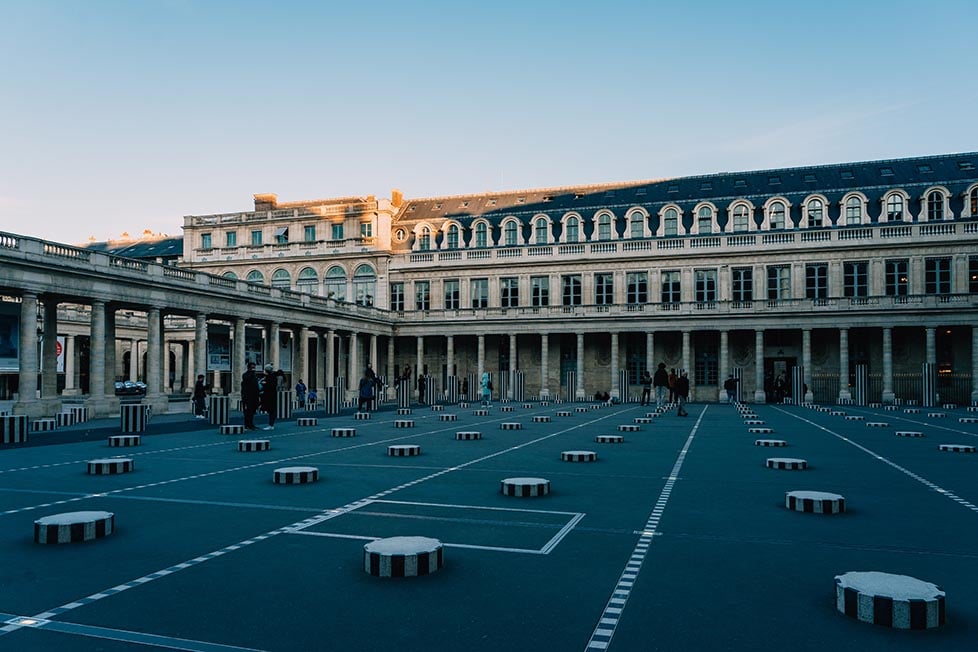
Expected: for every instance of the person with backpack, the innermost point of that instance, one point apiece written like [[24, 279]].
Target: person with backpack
[[730, 385]]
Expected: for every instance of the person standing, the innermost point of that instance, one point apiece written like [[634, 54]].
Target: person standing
[[646, 382], [661, 383], [465, 389], [422, 386], [730, 385], [672, 385], [250, 396], [269, 394], [681, 390], [486, 389], [300, 393], [366, 398], [200, 394]]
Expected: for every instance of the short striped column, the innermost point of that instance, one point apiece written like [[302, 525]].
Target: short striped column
[[937, 415], [855, 417], [218, 410], [911, 410], [956, 448], [403, 450], [437, 408], [402, 557], [563, 413], [110, 466], [448, 417], [254, 445], [579, 456], [629, 427], [44, 425], [527, 406], [754, 422], [786, 464], [505, 408], [610, 439], [814, 502], [343, 432], [480, 413], [510, 426], [909, 433], [896, 601], [403, 423], [404, 411], [525, 487], [117, 441], [467, 435], [581, 408], [73, 527], [133, 417], [81, 412], [295, 475], [65, 419], [642, 420], [877, 424], [967, 419], [837, 413], [541, 418], [361, 416], [232, 429], [770, 442], [760, 430], [307, 421]]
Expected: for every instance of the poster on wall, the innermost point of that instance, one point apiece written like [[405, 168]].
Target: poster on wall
[[285, 352], [9, 341], [61, 354], [254, 347], [218, 349]]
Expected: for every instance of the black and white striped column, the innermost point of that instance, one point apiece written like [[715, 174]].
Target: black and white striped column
[[218, 410], [133, 417], [73, 527], [896, 601], [402, 557], [331, 400], [928, 372]]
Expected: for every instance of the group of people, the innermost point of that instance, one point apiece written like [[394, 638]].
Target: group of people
[[260, 393], [666, 382]]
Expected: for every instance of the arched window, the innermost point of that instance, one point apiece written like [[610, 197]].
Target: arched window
[[671, 226], [604, 227], [854, 211], [281, 279], [973, 201], [230, 275], [704, 220], [365, 285], [572, 230], [816, 213], [741, 218], [935, 206], [540, 231], [511, 233], [424, 239], [636, 225], [452, 237], [894, 208], [776, 216], [334, 284], [307, 281], [481, 235], [256, 277]]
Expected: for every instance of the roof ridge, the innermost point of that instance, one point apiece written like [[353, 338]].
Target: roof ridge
[[604, 185]]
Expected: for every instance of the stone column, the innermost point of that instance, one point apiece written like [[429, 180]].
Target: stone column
[[303, 363], [888, 395], [133, 359], [617, 391], [274, 352], [238, 357], [974, 365], [200, 345], [931, 345], [419, 358], [450, 354], [167, 367], [844, 364], [579, 390], [724, 364], [353, 372], [481, 356], [330, 358], [154, 341], [96, 361], [374, 361], [806, 363], [391, 369], [191, 365], [650, 352], [49, 351], [760, 396], [544, 365], [510, 391], [27, 402], [109, 344], [686, 358], [71, 384], [320, 362]]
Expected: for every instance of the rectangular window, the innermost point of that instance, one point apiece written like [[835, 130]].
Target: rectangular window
[[336, 231], [397, 297], [937, 275], [205, 241], [309, 233], [706, 285], [817, 282], [897, 274], [604, 289], [704, 224], [707, 364], [778, 283], [973, 274], [637, 288], [256, 239], [422, 295], [670, 287], [366, 229], [282, 235], [540, 291], [570, 285], [509, 292], [453, 300], [855, 279], [742, 284], [479, 292], [231, 239]]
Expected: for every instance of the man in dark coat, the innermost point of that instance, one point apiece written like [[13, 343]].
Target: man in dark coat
[[661, 383], [682, 393], [269, 394], [200, 395], [250, 396]]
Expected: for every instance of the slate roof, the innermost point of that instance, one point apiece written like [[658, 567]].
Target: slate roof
[[164, 248], [956, 172]]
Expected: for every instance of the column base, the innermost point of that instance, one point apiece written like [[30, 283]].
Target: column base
[[544, 393], [103, 406], [159, 402], [809, 396], [42, 407], [845, 395], [760, 396], [579, 395], [74, 391], [889, 398]]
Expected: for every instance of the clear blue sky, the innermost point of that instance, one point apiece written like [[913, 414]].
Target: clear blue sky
[[120, 116]]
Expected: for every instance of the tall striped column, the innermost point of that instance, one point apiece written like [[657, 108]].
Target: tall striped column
[[512, 367], [570, 388], [759, 394], [451, 390], [929, 384], [738, 373], [579, 388], [862, 384], [481, 362], [623, 394], [473, 388], [544, 365], [617, 388], [238, 361], [331, 396], [404, 393], [797, 380], [806, 363], [519, 386]]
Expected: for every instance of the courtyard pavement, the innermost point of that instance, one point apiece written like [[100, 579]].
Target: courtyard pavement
[[677, 539]]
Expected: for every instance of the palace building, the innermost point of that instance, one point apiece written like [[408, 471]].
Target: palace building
[[856, 281]]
